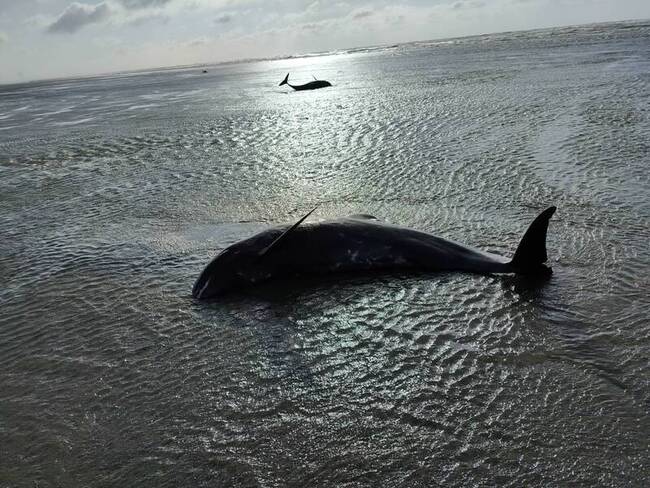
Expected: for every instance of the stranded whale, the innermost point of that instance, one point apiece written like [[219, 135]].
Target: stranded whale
[[360, 243], [312, 85]]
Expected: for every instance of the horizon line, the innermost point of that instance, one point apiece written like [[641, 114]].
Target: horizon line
[[281, 57]]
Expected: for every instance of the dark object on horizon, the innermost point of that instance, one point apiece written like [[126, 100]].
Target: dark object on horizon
[[205, 70], [360, 243], [312, 85]]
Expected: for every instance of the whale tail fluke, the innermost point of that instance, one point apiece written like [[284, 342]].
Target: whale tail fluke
[[285, 81], [531, 252]]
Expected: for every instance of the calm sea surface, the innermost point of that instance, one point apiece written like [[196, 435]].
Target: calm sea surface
[[115, 191]]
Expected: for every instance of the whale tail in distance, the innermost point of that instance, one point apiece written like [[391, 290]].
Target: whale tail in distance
[[285, 81], [531, 252]]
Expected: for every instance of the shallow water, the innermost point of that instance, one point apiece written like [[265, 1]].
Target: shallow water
[[116, 190]]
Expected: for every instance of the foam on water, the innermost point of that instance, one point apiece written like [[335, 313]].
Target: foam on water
[[113, 375]]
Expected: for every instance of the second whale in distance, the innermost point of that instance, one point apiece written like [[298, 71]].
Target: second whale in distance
[[312, 85], [360, 243]]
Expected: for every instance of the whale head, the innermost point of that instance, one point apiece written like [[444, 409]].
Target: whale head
[[235, 267], [245, 263]]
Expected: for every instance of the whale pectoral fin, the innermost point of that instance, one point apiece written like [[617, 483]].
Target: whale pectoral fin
[[362, 217], [278, 241]]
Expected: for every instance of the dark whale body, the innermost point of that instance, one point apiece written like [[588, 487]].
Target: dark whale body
[[312, 85], [359, 243]]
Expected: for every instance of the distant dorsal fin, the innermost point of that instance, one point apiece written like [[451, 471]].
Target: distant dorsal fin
[[284, 235]]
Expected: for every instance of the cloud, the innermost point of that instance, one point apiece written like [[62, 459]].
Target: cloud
[[362, 14], [138, 4], [8, 5], [312, 26], [200, 41], [77, 15], [394, 19], [223, 19], [38, 21], [475, 4], [145, 19]]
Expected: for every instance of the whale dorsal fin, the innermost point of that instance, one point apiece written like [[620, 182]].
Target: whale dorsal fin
[[362, 217], [531, 252], [284, 235]]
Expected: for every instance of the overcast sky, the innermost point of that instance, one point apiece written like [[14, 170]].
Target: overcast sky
[[53, 38]]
